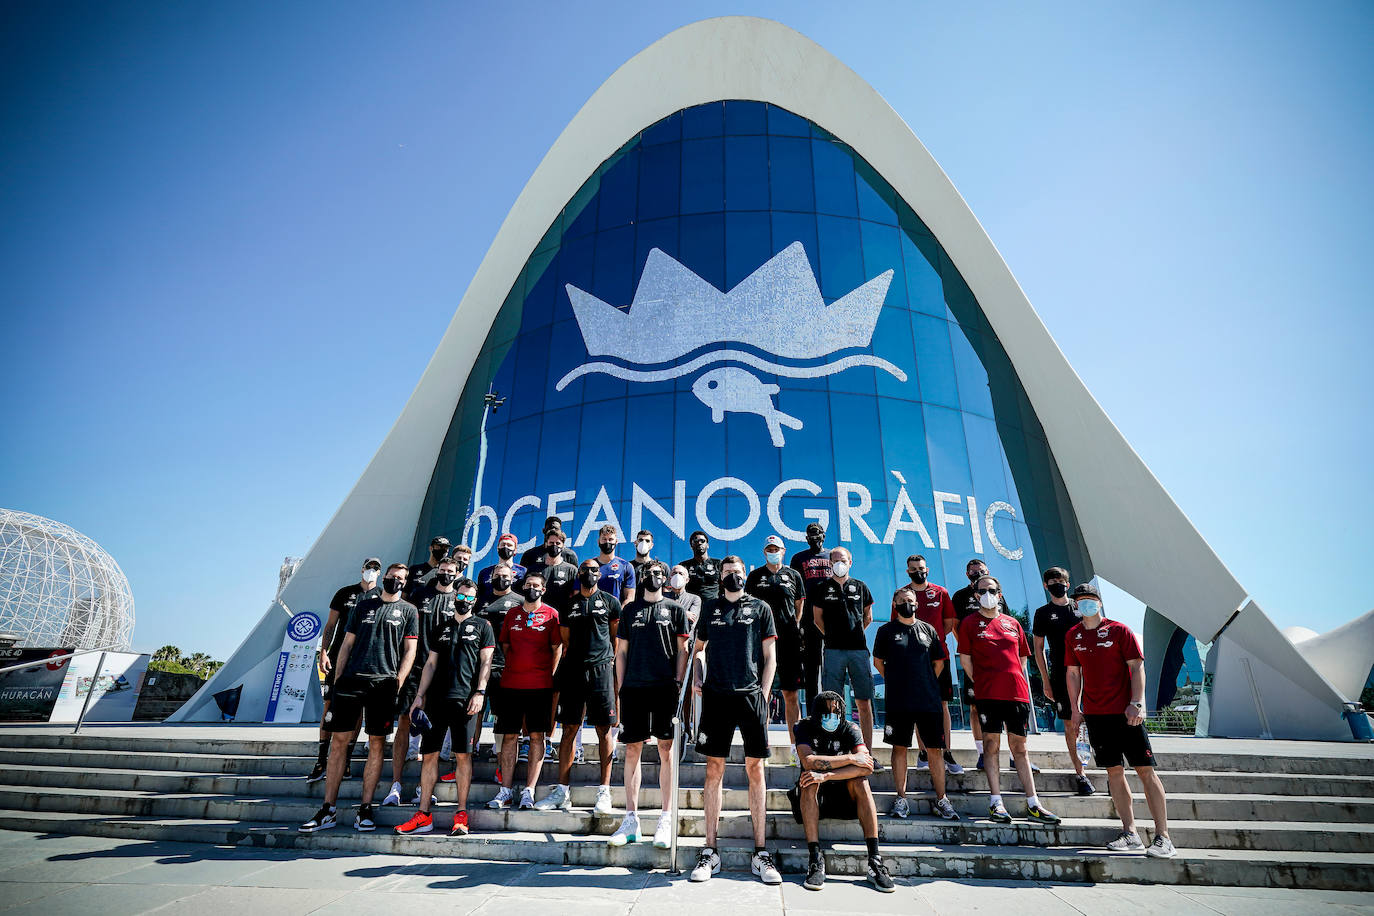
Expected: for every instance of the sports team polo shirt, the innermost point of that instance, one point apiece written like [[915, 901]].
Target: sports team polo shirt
[[588, 619], [650, 631], [734, 633], [996, 645], [532, 639], [842, 611], [933, 605], [1052, 622], [1102, 654], [909, 652], [460, 646], [379, 629]]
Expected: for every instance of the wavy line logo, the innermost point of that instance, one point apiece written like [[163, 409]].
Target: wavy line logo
[[778, 310]]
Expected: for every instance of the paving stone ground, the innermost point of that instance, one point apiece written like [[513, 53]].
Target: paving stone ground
[[52, 875]]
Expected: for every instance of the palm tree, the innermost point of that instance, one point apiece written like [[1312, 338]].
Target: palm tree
[[167, 654], [197, 662]]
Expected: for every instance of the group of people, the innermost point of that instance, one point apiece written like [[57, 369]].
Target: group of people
[[608, 642]]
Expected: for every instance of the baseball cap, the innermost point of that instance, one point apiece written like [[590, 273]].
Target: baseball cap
[[1084, 591], [551, 523], [773, 541], [440, 540], [372, 563], [506, 537]]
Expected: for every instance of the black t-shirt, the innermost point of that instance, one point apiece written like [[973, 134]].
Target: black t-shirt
[[1052, 622], [379, 632], [814, 566], [436, 610], [844, 740], [588, 621], [639, 563], [494, 612], [650, 630], [460, 645], [909, 653], [535, 558], [344, 600], [734, 633], [965, 602], [842, 611], [703, 577], [780, 591], [559, 581]]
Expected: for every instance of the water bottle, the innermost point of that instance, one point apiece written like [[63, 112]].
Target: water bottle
[[1084, 749]]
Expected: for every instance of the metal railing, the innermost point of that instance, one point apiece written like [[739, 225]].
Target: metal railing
[[673, 765], [100, 666]]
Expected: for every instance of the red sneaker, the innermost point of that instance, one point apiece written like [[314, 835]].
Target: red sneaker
[[419, 823], [498, 777], [449, 777], [460, 824]]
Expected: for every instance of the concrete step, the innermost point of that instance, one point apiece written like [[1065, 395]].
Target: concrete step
[[1186, 806], [1085, 832], [1246, 867]]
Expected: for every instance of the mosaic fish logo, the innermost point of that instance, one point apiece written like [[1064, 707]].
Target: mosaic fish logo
[[777, 310]]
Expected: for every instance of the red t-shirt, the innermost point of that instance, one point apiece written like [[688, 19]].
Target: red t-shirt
[[529, 661], [997, 645], [933, 606], [1101, 655]]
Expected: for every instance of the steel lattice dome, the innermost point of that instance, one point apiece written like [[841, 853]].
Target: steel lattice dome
[[60, 588]]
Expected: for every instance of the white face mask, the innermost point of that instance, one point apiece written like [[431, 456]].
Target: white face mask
[[370, 576], [677, 580], [840, 569], [1088, 608], [989, 600], [642, 548], [773, 557]]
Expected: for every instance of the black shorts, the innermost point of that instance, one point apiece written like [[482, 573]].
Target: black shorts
[[997, 716], [722, 713], [647, 712], [902, 722], [1112, 739], [966, 692], [587, 693], [523, 710], [791, 675], [946, 682], [448, 714], [375, 701], [405, 697], [1059, 683], [813, 659], [834, 801]]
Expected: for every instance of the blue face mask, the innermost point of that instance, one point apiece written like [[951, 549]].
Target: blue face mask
[[830, 721], [1089, 608]]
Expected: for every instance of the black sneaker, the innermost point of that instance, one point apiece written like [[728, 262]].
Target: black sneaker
[[1085, 785], [365, 821], [348, 767], [325, 818], [316, 774], [998, 814], [815, 875], [1037, 813], [878, 876]]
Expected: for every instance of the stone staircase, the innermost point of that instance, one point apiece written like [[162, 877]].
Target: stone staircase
[[1269, 814]]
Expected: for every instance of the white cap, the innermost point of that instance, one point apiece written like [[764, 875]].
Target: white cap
[[773, 541]]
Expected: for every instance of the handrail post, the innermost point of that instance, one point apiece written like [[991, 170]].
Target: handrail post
[[95, 681], [671, 810]]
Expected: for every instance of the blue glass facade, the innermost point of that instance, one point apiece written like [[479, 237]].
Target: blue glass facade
[[930, 425]]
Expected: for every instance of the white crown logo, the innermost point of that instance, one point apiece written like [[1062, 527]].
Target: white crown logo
[[778, 309]]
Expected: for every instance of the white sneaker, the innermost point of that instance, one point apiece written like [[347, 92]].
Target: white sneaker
[[578, 756], [413, 751], [556, 800], [901, 808], [526, 799], [708, 864], [1127, 842], [603, 805], [433, 800], [922, 762], [663, 834], [394, 796], [627, 832], [446, 752], [762, 865], [502, 799], [1161, 848], [952, 766]]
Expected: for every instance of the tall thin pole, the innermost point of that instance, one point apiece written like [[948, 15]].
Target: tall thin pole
[[95, 682]]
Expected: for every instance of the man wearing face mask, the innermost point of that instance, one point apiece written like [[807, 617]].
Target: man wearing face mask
[[993, 652], [644, 546], [495, 610], [1106, 685], [340, 607], [780, 587], [617, 575], [736, 640], [438, 549], [374, 661], [965, 602], [1049, 626], [650, 663], [934, 606], [813, 564], [835, 767], [560, 577], [910, 654], [434, 606], [703, 573], [676, 589], [842, 607], [586, 683], [462, 556], [505, 553], [532, 643], [536, 554]]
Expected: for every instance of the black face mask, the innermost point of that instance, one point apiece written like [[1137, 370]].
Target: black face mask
[[461, 562], [654, 581], [906, 610], [553, 550], [501, 584], [532, 595], [438, 553], [816, 541], [445, 578], [607, 547], [918, 578], [504, 552], [1058, 589], [589, 577], [733, 582], [700, 548], [393, 584], [975, 576]]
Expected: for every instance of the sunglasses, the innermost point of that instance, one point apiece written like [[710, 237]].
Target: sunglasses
[[987, 591]]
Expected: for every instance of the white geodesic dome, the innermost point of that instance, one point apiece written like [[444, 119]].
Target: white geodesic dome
[[60, 588]]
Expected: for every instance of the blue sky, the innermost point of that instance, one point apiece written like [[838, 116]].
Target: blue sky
[[233, 234]]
